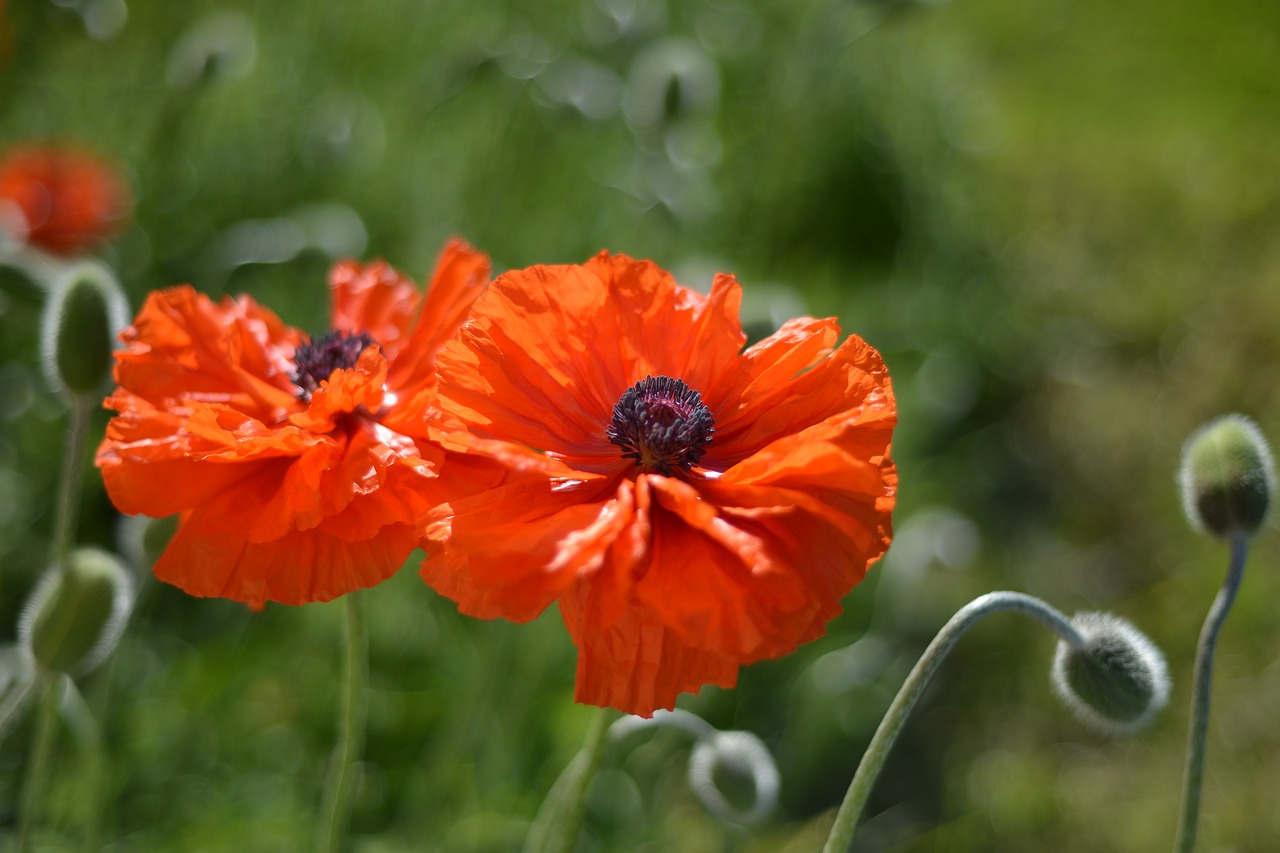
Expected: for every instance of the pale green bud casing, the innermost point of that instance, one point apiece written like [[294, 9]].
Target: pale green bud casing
[[74, 618], [1118, 681], [85, 311], [1227, 477]]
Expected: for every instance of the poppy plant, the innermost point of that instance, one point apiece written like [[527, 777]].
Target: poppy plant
[[60, 199], [691, 506], [301, 467]]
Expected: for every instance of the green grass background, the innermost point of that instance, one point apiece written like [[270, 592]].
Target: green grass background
[[1058, 223]]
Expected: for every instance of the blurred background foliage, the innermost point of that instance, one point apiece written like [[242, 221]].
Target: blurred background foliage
[[1057, 221]]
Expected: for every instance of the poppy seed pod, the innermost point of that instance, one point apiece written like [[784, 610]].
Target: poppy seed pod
[[1227, 477], [734, 776], [1118, 682], [74, 617], [85, 311]]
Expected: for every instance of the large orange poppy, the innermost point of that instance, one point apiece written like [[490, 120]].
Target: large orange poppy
[[691, 506], [301, 467], [60, 199]]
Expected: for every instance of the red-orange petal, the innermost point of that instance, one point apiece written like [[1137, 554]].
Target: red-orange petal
[[183, 346], [634, 662], [297, 568], [373, 298], [512, 549], [460, 277]]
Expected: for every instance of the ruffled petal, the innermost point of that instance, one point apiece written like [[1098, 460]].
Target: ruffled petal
[[634, 663], [373, 298], [791, 382], [460, 277], [182, 346], [147, 464], [205, 560], [715, 340], [511, 550], [517, 368], [710, 582]]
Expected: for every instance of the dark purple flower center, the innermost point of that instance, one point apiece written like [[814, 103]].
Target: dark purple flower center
[[319, 357], [662, 424]]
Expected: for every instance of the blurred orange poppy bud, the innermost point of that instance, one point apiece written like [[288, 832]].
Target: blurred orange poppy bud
[[59, 199]]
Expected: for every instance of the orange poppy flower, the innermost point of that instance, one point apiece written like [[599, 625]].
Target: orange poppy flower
[[60, 199], [691, 506], [301, 468]]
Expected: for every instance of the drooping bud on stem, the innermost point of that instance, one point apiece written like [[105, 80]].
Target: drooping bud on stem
[[74, 617], [1118, 681], [85, 311], [1227, 477], [734, 776]]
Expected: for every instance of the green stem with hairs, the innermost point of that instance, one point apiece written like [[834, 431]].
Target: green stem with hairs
[[555, 828], [1201, 698], [340, 788], [71, 480], [882, 741], [38, 765]]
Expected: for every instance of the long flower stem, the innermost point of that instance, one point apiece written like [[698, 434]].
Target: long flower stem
[[882, 742], [68, 497], [556, 826], [38, 765], [1193, 777], [338, 792]]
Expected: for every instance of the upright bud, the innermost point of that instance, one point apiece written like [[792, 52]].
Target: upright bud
[[1118, 682], [74, 618], [735, 776], [85, 311], [1227, 477]]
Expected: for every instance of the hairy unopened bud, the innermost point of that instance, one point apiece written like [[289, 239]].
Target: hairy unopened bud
[[75, 616], [1227, 477], [85, 311], [1118, 682], [734, 776]]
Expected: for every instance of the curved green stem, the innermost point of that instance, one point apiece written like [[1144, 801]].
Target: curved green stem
[[338, 792], [1193, 776], [68, 497], [555, 828], [38, 765], [14, 704], [882, 742]]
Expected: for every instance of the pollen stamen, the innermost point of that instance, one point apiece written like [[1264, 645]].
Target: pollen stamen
[[662, 424], [317, 359]]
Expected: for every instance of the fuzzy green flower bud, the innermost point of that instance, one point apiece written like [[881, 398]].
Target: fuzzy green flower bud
[[1118, 682], [1227, 477], [85, 311], [75, 616]]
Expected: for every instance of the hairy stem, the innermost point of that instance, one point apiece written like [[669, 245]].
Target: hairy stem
[[556, 826], [346, 753], [873, 759], [68, 497], [1201, 698], [38, 765]]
